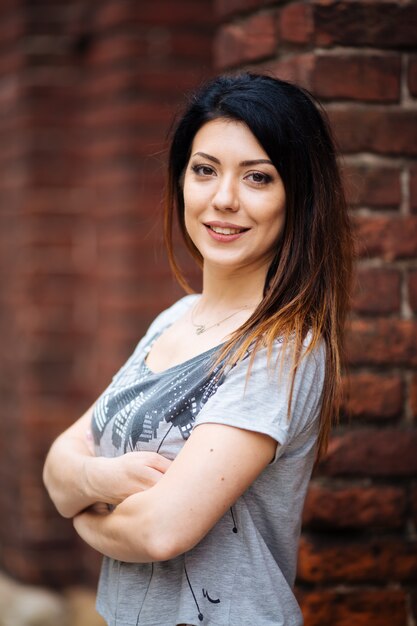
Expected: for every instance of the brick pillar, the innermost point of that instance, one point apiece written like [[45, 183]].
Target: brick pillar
[[46, 338], [87, 92], [358, 554]]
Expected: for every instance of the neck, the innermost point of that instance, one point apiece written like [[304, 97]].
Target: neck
[[227, 291]]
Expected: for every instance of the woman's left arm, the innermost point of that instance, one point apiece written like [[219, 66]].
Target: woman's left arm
[[215, 466]]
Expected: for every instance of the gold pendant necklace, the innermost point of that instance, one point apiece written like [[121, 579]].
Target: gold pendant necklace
[[202, 328]]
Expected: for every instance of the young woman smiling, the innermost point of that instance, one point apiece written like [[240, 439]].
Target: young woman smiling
[[205, 440]]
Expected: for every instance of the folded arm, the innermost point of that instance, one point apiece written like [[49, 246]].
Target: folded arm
[[216, 465], [76, 479]]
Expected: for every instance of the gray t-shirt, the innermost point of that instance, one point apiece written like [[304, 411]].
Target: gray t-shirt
[[242, 572]]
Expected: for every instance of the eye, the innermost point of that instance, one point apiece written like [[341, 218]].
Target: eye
[[258, 178], [203, 170]]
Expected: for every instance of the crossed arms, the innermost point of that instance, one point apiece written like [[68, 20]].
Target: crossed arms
[[162, 508]]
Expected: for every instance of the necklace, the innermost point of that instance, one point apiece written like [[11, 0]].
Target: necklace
[[202, 328]]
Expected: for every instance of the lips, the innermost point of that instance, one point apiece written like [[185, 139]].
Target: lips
[[225, 228], [225, 232]]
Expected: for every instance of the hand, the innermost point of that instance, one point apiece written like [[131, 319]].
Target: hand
[[89, 440], [112, 480], [100, 508]]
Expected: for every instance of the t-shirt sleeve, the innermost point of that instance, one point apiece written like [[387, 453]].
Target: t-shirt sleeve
[[260, 403]]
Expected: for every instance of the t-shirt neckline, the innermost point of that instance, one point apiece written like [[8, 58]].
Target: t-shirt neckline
[[181, 365]]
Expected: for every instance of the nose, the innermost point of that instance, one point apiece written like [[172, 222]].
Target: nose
[[226, 197]]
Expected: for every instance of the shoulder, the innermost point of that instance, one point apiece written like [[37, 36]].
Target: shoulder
[[263, 394], [313, 355], [277, 361]]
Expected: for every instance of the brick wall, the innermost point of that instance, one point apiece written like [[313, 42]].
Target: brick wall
[[44, 355], [358, 557], [87, 92]]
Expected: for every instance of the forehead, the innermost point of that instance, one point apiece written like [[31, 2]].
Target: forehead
[[227, 136]]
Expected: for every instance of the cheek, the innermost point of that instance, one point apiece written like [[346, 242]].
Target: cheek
[[192, 201], [278, 208], [191, 197], [274, 214], [195, 204], [274, 223]]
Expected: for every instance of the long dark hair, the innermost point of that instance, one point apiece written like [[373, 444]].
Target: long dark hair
[[308, 283]]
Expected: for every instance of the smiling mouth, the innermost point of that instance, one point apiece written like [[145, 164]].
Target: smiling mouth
[[226, 231]]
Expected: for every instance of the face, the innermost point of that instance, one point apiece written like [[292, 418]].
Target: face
[[234, 197]]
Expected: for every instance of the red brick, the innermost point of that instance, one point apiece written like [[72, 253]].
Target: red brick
[[222, 8], [376, 560], [371, 452], [296, 23], [125, 146], [373, 396], [6, 7], [115, 47], [119, 177], [382, 342], [412, 76], [362, 23], [387, 237], [354, 507], [47, 172], [348, 76], [413, 189], [413, 499], [357, 77], [173, 81], [412, 289], [114, 115], [413, 395], [379, 607], [377, 291], [163, 45], [11, 62], [385, 131], [372, 186], [51, 201], [12, 29], [195, 43], [296, 68], [157, 13], [247, 40]]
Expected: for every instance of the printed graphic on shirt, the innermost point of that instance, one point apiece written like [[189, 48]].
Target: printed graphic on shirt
[[141, 406]]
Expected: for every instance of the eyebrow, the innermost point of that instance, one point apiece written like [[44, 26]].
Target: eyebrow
[[242, 163]]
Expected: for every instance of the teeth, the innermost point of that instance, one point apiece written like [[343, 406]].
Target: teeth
[[226, 231]]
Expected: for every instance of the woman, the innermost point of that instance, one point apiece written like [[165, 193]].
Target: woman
[[206, 438]]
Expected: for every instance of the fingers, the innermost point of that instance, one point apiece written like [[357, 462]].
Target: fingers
[[153, 459], [152, 477], [116, 478], [100, 507], [160, 462]]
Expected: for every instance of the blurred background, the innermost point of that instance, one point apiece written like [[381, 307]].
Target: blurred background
[[88, 91]]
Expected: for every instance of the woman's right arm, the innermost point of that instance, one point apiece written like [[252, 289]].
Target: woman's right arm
[[75, 478]]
